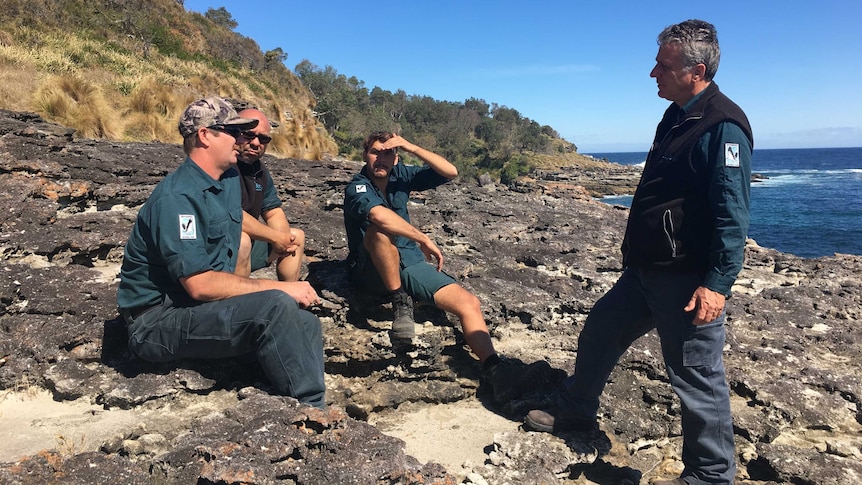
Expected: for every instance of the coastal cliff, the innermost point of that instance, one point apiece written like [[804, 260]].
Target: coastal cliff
[[538, 253]]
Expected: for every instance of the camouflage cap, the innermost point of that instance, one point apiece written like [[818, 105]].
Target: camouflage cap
[[211, 111]]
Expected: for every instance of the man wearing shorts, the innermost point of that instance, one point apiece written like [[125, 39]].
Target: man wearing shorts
[[389, 256]]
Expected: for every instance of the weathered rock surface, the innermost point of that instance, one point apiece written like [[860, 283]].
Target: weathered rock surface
[[538, 254]]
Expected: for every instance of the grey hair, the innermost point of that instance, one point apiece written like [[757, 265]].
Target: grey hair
[[699, 42]]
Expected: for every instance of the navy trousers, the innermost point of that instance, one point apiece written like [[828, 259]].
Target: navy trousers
[[286, 340], [640, 301]]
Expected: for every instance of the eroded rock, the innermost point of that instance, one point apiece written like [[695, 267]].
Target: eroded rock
[[538, 254]]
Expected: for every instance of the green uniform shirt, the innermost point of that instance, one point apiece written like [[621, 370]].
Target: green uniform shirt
[[361, 195], [729, 198], [190, 224]]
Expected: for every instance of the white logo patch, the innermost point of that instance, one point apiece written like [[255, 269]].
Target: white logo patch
[[360, 189], [188, 229], [731, 154]]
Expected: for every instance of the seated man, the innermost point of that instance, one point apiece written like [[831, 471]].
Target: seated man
[[388, 255], [273, 239], [178, 292]]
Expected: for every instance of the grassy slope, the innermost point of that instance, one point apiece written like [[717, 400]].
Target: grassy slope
[[125, 70]]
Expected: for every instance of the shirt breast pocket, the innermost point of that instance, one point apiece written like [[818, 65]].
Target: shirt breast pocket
[[217, 230], [399, 200], [235, 215]]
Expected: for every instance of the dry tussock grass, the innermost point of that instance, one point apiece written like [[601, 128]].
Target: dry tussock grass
[[105, 90], [16, 87], [11, 56], [150, 97], [17, 75], [277, 111], [147, 127], [68, 446], [6, 38], [152, 112], [294, 140], [560, 160], [75, 102]]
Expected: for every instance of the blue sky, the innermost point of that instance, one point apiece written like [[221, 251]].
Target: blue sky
[[580, 67]]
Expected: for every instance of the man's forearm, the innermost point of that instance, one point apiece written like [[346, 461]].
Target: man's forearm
[[218, 285], [260, 231], [436, 162], [394, 225], [276, 219]]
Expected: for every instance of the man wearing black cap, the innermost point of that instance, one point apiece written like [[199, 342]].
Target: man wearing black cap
[[178, 292]]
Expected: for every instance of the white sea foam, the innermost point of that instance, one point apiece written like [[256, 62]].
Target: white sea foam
[[808, 203]]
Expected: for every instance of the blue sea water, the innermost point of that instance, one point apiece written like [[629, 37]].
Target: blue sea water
[[809, 204]]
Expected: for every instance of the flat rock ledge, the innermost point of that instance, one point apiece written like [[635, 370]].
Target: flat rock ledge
[[538, 254]]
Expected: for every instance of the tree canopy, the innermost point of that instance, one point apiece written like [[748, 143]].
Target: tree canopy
[[474, 135], [220, 16]]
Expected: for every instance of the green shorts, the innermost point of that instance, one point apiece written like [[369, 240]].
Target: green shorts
[[259, 254], [420, 280]]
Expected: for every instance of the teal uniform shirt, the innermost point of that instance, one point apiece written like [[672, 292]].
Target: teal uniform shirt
[[729, 198], [190, 224], [361, 195]]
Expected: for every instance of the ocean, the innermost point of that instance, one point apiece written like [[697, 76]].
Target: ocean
[[808, 204]]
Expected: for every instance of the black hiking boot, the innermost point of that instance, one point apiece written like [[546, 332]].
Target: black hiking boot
[[403, 325]]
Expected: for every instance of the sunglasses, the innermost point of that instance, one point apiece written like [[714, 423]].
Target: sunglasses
[[230, 130], [250, 135]]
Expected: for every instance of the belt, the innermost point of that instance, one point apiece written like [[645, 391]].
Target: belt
[[133, 313]]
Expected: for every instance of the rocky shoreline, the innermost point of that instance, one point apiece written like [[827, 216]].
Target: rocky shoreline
[[538, 254]]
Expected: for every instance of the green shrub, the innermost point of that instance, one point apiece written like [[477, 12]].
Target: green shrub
[[515, 168]]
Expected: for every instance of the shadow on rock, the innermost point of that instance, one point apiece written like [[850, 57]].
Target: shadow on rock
[[604, 473], [529, 384]]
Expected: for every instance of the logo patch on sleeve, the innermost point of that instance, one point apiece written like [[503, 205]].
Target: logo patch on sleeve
[[731, 154], [360, 189], [188, 229]]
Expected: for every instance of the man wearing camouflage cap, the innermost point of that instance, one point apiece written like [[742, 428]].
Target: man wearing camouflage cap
[[178, 292]]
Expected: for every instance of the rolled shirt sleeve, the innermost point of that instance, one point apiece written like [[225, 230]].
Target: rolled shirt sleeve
[[270, 195], [190, 224]]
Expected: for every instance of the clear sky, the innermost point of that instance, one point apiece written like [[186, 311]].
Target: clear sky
[[794, 66]]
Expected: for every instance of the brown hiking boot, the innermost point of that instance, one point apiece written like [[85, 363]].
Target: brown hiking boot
[[559, 418], [546, 422], [403, 325]]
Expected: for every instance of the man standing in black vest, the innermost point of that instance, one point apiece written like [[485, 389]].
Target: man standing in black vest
[[266, 234], [682, 251]]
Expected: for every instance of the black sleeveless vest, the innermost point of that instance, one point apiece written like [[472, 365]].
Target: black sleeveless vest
[[670, 224]]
